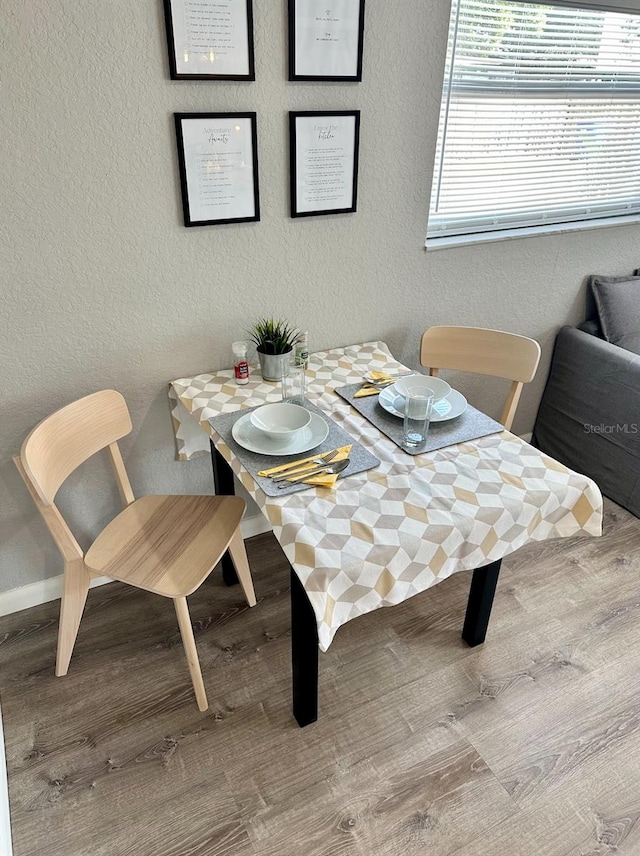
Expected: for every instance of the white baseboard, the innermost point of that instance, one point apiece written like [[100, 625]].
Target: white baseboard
[[256, 525], [5, 826], [34, 594], [44, 591]]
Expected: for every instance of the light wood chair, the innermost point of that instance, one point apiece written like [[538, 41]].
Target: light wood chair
[[487, 352], [164, 544]]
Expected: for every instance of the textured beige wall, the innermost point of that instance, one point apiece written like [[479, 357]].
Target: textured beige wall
[[103, 286]]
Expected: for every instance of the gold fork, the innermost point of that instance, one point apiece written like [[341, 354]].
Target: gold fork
[[386, 380]]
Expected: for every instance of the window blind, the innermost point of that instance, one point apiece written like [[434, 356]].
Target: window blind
[[540, 118], [607, 5]]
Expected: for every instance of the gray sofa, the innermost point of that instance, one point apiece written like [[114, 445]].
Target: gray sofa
[[589, 415]]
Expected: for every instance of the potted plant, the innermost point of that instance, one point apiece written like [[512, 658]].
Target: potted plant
[[274, 340]]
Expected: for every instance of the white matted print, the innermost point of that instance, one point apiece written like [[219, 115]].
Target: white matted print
[[324, 162], [210, 39], [326, 39], [218, 167]]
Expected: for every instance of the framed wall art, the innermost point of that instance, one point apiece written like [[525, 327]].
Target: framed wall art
[[324, 161], [210, 39], [218, 160], [326, 39]]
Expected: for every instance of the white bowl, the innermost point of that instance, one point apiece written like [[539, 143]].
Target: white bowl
[[437, 387], [280, 421]]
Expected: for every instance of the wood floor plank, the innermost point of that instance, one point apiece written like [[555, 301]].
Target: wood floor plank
[[295, 759], [587, 816], [615, 830], [574, 734], [192, 823], [549, 829], [413, 797], [512, 680]]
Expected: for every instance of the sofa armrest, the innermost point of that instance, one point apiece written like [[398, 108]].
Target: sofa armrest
[[589, 416]]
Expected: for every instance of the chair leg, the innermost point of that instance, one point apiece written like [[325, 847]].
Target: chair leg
[[189, 642], [74, 597], [511, 405], [241, 563]]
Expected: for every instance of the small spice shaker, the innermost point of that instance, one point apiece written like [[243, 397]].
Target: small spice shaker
[[240, 364], [301, 357]]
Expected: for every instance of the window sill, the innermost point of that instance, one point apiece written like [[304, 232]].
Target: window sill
[[526, 232]]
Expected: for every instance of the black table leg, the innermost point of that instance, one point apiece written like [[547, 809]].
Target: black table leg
[[483, 588], [304, 636], [224, 485], [304, 654]]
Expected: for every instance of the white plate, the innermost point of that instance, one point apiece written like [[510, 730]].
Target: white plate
[[448, 408], [251, 438]]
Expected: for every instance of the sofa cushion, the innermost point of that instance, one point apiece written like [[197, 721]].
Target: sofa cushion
[[617, 299]]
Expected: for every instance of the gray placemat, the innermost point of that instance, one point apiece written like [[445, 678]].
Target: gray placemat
[[470, 425], [360, 458]]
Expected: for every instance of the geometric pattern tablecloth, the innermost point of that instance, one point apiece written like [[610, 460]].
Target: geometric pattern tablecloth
[[387, 534]]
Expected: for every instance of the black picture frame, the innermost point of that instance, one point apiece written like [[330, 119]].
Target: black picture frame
[[305, 64], [325, 162], [211, 181], [178, 67]]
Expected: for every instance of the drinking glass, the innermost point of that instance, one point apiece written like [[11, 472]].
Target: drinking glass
[[293, 383], [418, 405]]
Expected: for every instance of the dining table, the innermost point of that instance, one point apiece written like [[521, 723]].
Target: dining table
[[393, 529]]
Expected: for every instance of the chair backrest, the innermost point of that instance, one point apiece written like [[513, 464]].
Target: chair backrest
[[487, 352], [63, 441], [71, 435]]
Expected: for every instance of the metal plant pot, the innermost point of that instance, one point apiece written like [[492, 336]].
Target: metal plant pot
[[273, 367]]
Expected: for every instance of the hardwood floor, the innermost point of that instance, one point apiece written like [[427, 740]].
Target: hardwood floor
[[526, 746]]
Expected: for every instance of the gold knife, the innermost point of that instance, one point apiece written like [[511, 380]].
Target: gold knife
[[301, 465]]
